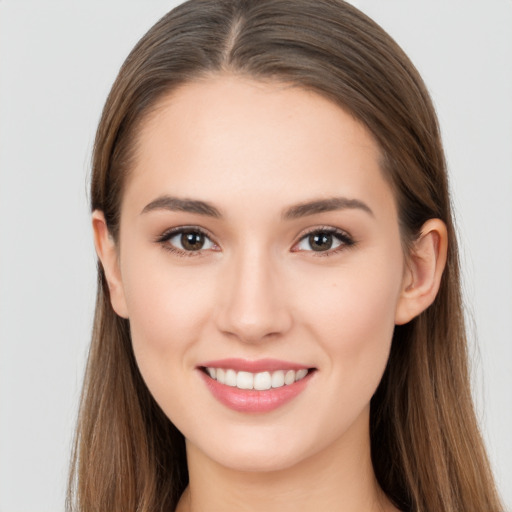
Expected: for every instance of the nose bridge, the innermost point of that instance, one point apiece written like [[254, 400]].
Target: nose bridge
[[254, 305]]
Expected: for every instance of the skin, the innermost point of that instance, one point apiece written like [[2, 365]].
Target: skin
[[254, 150]]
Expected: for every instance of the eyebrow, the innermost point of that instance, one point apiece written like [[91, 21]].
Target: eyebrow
[[294, 212], [176, 204], [325, 205]]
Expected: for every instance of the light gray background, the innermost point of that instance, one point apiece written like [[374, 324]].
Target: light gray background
[[57, 62]]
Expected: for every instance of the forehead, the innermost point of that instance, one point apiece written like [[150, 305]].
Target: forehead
[[228, 137]]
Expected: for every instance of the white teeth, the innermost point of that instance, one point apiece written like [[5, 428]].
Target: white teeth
[[278, 379], [244, 380], [260, 381], [230, 378], [221, 375], [300, 374], [289, 378]]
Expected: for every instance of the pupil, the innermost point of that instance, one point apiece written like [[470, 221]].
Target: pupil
[[320, 241], [192, 241]]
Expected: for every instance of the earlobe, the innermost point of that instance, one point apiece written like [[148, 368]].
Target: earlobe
[[106, 250], [425, 268]]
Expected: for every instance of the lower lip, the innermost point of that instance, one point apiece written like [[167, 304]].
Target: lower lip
[[250, 400]]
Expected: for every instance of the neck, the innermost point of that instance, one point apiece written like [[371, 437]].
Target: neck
[[339, 478]]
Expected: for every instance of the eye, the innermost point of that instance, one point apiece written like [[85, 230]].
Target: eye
[[325, 240], [186, 241]]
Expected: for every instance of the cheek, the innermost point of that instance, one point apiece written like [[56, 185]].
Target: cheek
[[168, 313], [354, 322], [168, 317]]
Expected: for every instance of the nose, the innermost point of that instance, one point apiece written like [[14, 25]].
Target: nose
[[253, 305]]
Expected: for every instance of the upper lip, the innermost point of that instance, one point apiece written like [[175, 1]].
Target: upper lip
[[253, 366]]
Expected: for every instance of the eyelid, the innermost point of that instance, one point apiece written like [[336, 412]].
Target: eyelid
[[347, 241], [172, 232]]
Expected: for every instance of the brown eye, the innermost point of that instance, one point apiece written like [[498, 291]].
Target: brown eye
[[192, 241], [320, 241], [327, 240], [186, 240]]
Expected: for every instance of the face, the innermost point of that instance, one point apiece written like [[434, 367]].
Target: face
[[259, 248]]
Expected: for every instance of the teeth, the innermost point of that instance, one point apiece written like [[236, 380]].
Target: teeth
[[221, 375], [300, 374], [262, 381], [244, 380], [278, 379], [289, 378], [230, 379], [259, 381]]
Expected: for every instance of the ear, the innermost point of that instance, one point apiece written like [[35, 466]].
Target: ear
[[107, 252], [425, 267]]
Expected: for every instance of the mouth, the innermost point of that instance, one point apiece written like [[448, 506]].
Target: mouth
[[255, 386], [260, 381]]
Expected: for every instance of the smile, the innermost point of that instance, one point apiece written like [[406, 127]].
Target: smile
[[255, 386], [260, 381]]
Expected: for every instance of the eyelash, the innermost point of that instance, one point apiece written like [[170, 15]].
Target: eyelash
[[346, 241], [164, 238]]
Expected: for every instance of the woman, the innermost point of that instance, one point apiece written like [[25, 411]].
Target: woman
[[278, 321]]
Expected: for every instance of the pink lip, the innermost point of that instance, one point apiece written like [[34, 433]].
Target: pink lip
[[249, 400], [261, 365]]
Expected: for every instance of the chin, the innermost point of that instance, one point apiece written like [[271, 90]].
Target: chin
[[260, 454], [257, 461]]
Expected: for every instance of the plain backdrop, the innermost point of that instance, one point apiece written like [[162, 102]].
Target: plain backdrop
[[57, 62]]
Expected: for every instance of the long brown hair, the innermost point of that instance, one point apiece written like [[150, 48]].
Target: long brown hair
[[427, 451]]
